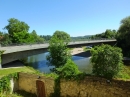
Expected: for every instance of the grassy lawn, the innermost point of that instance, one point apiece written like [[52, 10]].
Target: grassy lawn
[[124, 74], [7, 71]]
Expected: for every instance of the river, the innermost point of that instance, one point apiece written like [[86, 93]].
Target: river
[[39, 62]]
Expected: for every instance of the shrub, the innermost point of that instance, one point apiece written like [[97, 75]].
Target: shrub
[[106, 60], [69, 70]]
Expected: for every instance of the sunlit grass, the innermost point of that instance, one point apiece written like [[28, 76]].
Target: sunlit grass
[[8, 71], [124, 74], [10, 95]]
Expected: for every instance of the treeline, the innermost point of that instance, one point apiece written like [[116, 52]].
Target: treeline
[[81, 38], [109, 34]]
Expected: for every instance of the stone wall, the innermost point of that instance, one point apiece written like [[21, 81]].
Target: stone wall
[[95, 87], [27, 82], [89, 87]]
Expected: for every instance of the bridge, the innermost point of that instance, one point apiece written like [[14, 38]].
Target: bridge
[[13, 53]]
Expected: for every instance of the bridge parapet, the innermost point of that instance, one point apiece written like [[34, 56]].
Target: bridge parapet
[[11, 49]]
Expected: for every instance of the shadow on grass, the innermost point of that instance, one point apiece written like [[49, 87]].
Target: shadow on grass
[[25, 94]]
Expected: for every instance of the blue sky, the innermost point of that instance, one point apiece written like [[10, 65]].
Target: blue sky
[[76, 17]]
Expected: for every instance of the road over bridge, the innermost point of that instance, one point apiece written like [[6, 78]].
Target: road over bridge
[[13, 53]]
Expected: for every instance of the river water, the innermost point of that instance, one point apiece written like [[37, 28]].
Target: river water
[[39, 62]]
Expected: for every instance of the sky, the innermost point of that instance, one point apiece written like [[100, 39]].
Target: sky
[[76, 17]]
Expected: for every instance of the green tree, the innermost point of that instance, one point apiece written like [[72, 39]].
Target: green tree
[[16, 26], [58, 52], [106, 60], [36, 38], [123, 35], [23, 37], [4, 38], [62, 35], [107, 34]]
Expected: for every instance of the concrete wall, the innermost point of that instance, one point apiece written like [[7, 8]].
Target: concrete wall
[[89, 87]]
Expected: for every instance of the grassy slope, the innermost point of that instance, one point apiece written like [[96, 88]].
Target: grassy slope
[[7, 71], [124, 74]]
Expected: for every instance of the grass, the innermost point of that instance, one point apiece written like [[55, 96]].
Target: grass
[[8, 71], [124, 74], [10, 95], [19, 93]]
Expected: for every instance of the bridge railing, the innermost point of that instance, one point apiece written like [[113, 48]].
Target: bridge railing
[[45, 42]]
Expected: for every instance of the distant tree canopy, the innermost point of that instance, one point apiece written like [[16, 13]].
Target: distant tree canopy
[[46, 37], [123, 36], [4, 38], [107, 34], [61, 35]]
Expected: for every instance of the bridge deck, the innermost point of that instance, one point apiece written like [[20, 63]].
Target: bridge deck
[[11, 49]]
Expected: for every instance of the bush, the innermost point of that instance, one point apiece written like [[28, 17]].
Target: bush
[[69, 70], [106, 60]]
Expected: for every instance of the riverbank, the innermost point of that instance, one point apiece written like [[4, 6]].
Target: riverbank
[[80, 52]]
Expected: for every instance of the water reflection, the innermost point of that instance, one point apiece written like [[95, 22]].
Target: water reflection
[[39, 62]]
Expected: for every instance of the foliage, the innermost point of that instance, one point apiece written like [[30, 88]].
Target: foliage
[[5, 82], [58, 52], [16, 26], [123, 35], [46, 37], [4, 39], [107, 34], [23, 37], [56, 88], [106, 60], [69, 70], [1, 52], [36, 38], [81, 38], [18, 32], [61, 35]]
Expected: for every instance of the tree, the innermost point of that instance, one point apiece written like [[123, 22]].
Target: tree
[[46, 37], [37, 38], [58, 52], [106, 60], [16, 26], [107, 34], [4, 38], [123, 35], [23, 37], [62, 35]]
